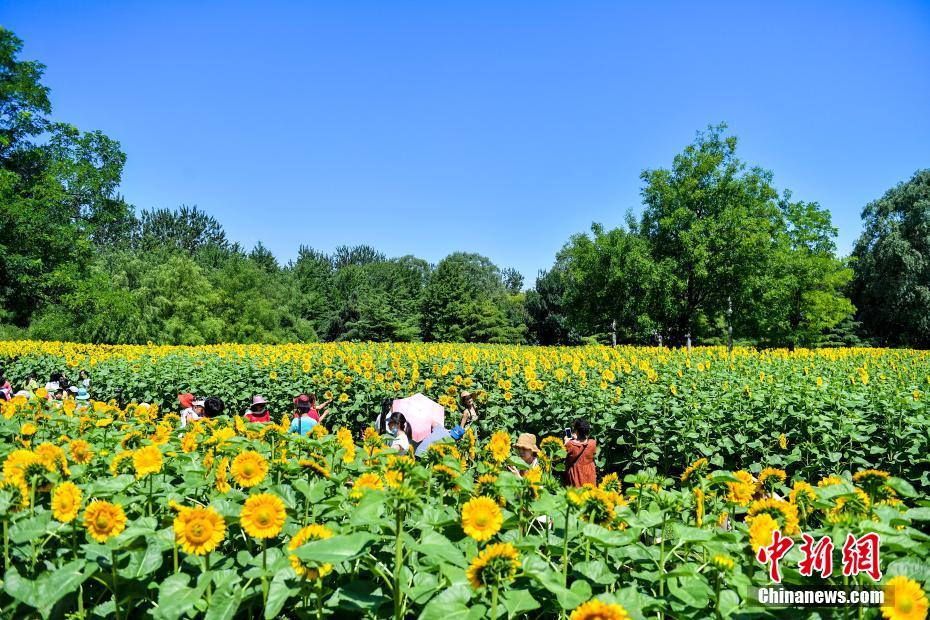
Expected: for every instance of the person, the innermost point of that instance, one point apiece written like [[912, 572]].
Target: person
[[438, 432], [258, 411], [194, 412], [6, 390], [307, 403], [469, 412], [53, 384], [31, 384], [213, 407], [187, 401], [527, 450], [303, 421], [381, 421], [84, 378], [579, 460], [399, 429], [82, 397]]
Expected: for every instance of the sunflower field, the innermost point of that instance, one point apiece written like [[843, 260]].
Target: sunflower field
[[810, 412], [112, 512]]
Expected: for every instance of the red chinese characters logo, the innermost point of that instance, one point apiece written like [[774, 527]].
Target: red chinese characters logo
[[859, 555]]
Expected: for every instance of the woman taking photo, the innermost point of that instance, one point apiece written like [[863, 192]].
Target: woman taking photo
[[579, 460]]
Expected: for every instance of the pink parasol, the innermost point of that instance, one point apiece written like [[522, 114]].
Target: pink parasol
[[420, 412]]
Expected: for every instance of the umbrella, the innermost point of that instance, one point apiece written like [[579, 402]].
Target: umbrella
[[420, 412]]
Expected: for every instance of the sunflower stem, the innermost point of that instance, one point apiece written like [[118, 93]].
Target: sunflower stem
[[398, 562], [319, 598], [206, 570], [565, 546], [6, 545], [264, 570], [494, 602], [119, 614]]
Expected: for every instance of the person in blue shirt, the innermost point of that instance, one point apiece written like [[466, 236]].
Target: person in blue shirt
[[303, 421], [438, 432]]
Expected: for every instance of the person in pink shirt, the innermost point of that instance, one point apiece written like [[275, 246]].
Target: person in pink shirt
[[258, 412]]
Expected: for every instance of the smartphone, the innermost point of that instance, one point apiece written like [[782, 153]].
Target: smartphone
[[568, 432]]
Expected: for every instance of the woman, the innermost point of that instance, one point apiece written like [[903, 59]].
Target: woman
[[308, 403], [187, 407], [399, 430], [579, 460], [469, 412], [258, 411], [381, 421], [304, 420], [213, 407], [84, 379]]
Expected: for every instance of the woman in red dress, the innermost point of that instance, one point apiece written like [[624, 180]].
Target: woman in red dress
[[581, 449]]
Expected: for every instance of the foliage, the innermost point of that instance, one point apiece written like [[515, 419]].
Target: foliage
[[891, 288], [115, 512]]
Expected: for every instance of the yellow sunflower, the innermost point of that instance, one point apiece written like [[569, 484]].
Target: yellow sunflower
[[597, 610], [695, 468], [904, 600], [497, 564], [305, 535], [147, 460], [199, 530], [104, 520], [80, 451], [723, 563], [367, 481], [66, 502], [740, 493], [481, 518], [784, 512], [249, 468], [499, 446], [263, 515], [222, 475], [761, 527]]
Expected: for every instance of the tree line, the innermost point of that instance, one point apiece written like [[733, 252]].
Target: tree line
[[716, 249]]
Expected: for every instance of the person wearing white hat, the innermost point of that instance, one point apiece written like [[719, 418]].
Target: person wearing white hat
[[194, 412]]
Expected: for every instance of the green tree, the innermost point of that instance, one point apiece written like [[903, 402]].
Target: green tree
[[801, 292], [548, 322], [891, 286], [711, 221], [187, 229]]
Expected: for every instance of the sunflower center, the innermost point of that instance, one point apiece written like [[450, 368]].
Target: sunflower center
[[905, 604], [248, 470], [263, 517], [197, 531], [102, 522], [481, 520]]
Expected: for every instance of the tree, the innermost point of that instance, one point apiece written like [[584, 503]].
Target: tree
[[513, 280], [711, 222], [891, 285], [548, 323], [612, 285], [801, 292], [456, 301], [187, 229], [24, 102]]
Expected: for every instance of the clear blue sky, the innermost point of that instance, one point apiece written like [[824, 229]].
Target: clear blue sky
[[495, 127]]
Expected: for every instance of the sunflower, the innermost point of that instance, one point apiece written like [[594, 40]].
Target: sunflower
[[596, 506], [249, 468], [802, 494], [784, 512], [871, 480], [80, 451], [445, 473], [828, 481], [365, 482], [904, 599], [66, 502], [222, 475], [147, 460], [315, 464], [104, 520], [103, 422], [117, 466], [199, 530], [28, 429], [52, 457], [699, 506], [344, 437], [497, 564], [783, 442], [597, 610], [499, 446], [189, 443], [761, 527], [723, 563], [263, 515], [20, 490], [305, 535], [740, 493], [850, 509], [694, 469], [481, 518], [770, 477], [611, 482]]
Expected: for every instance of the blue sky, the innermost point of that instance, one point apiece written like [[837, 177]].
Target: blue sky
[[495, 127]]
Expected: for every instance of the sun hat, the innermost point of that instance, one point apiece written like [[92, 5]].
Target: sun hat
[[186, 399], [527, 441], [259, 400], [73, 389], [82, 394], [197, 403], [25, 393]]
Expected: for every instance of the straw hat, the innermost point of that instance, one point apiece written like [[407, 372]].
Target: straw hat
[[528, 442]]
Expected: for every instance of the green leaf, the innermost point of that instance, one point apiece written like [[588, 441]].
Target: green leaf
[[282, 588], [903, 487], [450, 604], [334, 550], [432, 544], [518, 601], [224, 603], [49, 588], [175, 598]]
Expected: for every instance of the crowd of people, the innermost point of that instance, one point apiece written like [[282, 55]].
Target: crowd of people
[[580, 447]]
